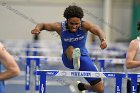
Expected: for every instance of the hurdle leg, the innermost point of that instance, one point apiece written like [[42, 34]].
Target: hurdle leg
[[118, 87], [102, 65], [33, 64], [37, 76], [133, 82], [42, 88], [27, 75], [102, 68]]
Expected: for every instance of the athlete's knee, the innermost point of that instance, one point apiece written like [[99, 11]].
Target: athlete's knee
[[101, 89], [97, 86], [69, 52]]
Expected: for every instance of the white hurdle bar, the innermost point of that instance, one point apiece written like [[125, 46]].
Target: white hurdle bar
[[48, 50], [117, 75], [56, 59]]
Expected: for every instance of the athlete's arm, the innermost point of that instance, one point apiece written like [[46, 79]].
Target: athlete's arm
[[97, 31], [11, 67], [131, 52], [47, 26]]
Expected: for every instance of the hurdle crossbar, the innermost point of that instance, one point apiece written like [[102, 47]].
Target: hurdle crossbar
[[49, 58], [80, 73]]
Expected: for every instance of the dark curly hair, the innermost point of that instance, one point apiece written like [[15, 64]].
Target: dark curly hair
[[73, 11], [138, 26]]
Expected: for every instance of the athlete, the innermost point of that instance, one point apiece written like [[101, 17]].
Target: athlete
[[8, 67], [73, 33], [133, 60]]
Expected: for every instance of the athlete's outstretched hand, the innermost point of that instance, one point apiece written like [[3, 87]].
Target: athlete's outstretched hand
[[35, 31], [103, 45]]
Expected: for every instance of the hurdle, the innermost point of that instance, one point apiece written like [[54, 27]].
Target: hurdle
[[28, 72], [37, 61], [102, 62], [118, 76]]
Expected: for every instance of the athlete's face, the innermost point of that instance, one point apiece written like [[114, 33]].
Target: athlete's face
[[73, 24]]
